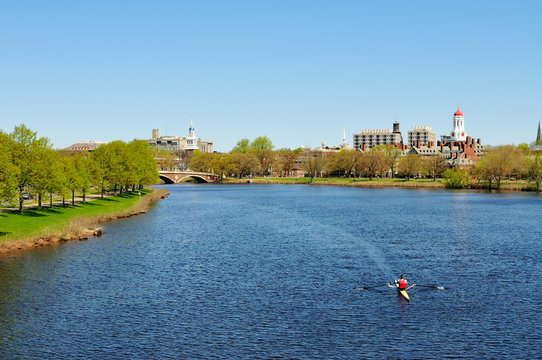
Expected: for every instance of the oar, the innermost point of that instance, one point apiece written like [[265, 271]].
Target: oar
[[369, 287], [432, 286]]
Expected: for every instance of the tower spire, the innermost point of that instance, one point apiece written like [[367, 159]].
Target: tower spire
[[539, 134]]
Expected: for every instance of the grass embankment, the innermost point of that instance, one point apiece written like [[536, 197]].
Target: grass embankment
[[57, 224], [506, 185], [418, 183]]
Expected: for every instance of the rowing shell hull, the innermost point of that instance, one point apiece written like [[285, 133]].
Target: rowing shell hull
[[403, 293]]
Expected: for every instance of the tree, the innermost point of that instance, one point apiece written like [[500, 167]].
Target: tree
[[391, 157], [312, 164], [410, 165], [499, 163], [371, 162], [434, 165], [533, 165], [71, 176], [8, 171], [81, 166], [242, 146], [164, 159], [286, 162], [245, 164], [44, 172], [23, 158], [223, 165], [144, 170], [98, 160], [261, 143], [116, 166], [343, 162], [266, 158], [201, 161], [455, 179]]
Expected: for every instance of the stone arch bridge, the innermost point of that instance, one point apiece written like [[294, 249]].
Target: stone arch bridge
[[175, 177]]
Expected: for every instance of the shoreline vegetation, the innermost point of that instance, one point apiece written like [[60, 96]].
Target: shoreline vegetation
[[506, 186], [58, 224]]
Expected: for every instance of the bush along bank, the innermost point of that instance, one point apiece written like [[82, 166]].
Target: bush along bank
[[52, 226]]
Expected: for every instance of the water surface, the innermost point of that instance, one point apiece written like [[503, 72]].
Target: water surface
[[245, 271]]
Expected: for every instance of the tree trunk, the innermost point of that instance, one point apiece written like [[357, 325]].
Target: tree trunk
[[102, 192], [73, 197], [84, 196], [21, 200], [51, 200], [39, 201], [538, 186], [63, 201], [115, 190]]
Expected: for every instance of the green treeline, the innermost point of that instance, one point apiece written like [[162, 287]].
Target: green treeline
[[257, 158], [30, 164]]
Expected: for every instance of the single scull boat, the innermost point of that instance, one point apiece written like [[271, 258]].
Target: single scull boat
[[403, 293]]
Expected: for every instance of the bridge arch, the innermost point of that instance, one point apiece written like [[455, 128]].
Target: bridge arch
[[166, 179], [199, 179]]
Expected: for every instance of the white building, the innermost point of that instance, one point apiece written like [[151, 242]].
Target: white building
[[421, 135], [179, 144], [369, 138]]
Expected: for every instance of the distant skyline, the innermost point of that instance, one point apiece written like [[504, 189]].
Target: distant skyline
[[296, 71]]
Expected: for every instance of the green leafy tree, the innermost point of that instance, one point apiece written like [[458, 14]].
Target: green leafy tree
[[44, 171], [82, 167], [455, 179], [116, 167], [8, 171], [23, 158], [71, 176], [201, 161], [242, 146], [97, 168], [261, 143], [143, 166], [223, 165]]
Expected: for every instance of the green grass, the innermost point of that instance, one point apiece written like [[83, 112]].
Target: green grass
[[32, 222]]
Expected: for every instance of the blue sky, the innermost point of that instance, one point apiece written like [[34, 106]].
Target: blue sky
[[296, 71]]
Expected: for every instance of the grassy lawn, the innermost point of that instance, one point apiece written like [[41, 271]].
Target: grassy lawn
[[32, 222]]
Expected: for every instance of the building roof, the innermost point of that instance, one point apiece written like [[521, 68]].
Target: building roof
[[85, 146], [458, 113]]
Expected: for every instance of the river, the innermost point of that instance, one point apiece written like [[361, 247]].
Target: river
[[269, 271]]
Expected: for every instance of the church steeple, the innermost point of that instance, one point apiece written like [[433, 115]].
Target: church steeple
[[539, 134]]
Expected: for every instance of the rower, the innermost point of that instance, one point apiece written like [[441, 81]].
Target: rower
[[402, 282]]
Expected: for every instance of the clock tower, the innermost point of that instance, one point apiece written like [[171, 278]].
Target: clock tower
[[458, 132], [191, 139]]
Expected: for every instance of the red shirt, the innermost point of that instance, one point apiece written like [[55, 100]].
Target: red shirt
[[402, 283]]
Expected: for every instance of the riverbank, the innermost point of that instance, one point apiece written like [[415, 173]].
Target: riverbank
[[51, 226], [506, 186], [355, 182]]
